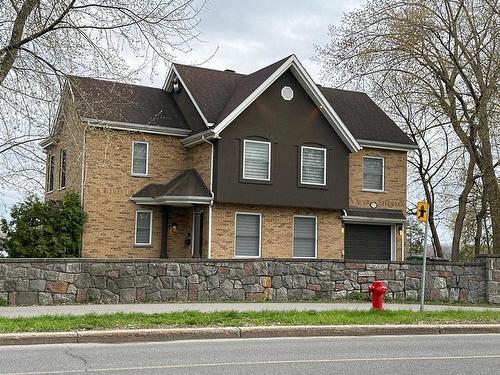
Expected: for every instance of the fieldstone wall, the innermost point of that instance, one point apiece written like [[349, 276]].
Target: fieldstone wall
[[66, 281]]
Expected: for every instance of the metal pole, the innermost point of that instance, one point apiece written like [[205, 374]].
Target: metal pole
[[424, 263]]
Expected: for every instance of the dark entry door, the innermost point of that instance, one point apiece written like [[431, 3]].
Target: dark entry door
[[367, 242]]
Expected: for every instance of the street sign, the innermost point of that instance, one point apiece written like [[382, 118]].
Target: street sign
[[422, 211]]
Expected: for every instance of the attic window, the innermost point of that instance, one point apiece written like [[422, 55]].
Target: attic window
[[287, 93]]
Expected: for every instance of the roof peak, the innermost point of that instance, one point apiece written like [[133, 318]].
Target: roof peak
[[230, 71]]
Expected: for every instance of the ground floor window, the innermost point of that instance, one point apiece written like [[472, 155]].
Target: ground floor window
[[143, 227], [247, 235], [304, 237]]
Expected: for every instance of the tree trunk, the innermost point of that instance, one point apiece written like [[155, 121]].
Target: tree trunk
[[462, 210], [490, 181], [479, 225]]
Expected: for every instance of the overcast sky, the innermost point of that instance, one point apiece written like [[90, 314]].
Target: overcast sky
[[248, 35]]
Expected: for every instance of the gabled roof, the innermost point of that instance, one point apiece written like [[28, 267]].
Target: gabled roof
[[125, 103], [186, 188], [221, 96]]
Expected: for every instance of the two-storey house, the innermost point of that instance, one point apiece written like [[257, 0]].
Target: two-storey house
[[218, 164]]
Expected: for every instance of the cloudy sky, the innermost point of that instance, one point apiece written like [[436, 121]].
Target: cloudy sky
[[248, 35]]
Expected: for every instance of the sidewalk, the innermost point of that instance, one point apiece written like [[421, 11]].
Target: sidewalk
[[157, 308]]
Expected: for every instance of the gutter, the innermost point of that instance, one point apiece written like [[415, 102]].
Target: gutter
[[387, 145], [371, 220], [166, 199], [198, 138]]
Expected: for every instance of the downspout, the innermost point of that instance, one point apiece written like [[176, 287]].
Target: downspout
[[82, 181], [211, 192]]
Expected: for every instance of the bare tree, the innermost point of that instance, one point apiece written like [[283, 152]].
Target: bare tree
[[43, 40], [450, 51]]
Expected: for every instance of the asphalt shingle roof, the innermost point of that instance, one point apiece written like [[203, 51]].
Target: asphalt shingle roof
[[122, 102], [188, 184]]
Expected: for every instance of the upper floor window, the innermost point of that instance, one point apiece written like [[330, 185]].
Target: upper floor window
[[373, 173], [256, 160], [62, 171], [50, 173], [143, 227], [313, 165], [140, 158]]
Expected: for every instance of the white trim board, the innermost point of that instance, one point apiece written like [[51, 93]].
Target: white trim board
[[142, 128], [386, 145]]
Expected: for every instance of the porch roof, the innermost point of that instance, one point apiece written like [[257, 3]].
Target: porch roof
[[373, 215], [187, 188]]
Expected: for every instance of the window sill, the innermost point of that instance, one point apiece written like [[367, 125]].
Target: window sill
[[246, 257], [257, 182], [312, 186], [143, 246], [139, 175], [63, 188], [372, 191]]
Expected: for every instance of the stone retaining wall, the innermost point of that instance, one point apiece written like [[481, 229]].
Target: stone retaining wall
[[64, 281]]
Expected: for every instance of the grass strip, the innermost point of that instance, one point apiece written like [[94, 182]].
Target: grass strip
[[233, 318]]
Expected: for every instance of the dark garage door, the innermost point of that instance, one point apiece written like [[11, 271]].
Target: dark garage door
[[367, 242]]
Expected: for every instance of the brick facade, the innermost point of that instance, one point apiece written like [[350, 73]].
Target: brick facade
[[109, 231], [70, 138], [276, 230], [394, 194]]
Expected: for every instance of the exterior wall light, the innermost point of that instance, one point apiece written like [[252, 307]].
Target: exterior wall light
[[174, 227]]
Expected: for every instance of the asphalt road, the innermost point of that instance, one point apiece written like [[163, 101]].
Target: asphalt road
[[154, 308], [446, 354]]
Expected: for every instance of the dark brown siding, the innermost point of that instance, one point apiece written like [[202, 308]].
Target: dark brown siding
[[188, 109], [287, 125]]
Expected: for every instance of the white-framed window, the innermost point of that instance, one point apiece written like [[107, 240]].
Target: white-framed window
[[305, 236], [140, 152], [143, 227], [50, 173], [373, 173], [256, 160], [62, 169], [312, 165], [247, 235]]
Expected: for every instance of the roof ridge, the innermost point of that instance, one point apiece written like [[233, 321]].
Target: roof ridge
[[338, 89], [211, 69], [70, 76]]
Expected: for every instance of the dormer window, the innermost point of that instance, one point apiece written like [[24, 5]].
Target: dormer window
[[140, 158], [313, 166], [256, 160]]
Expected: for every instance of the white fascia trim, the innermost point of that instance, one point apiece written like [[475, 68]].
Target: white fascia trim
[[143, 128], [164, 199], [371, 220], [386, 145], [46, 142], [198, 138], [170, 75], [313, 90]]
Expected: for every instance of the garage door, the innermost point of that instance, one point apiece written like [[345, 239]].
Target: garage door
[[367, 242]]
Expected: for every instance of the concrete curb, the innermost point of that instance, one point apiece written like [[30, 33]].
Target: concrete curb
[[172, 334]]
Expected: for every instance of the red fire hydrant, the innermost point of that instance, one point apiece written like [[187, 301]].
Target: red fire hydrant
[[378, 289]]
